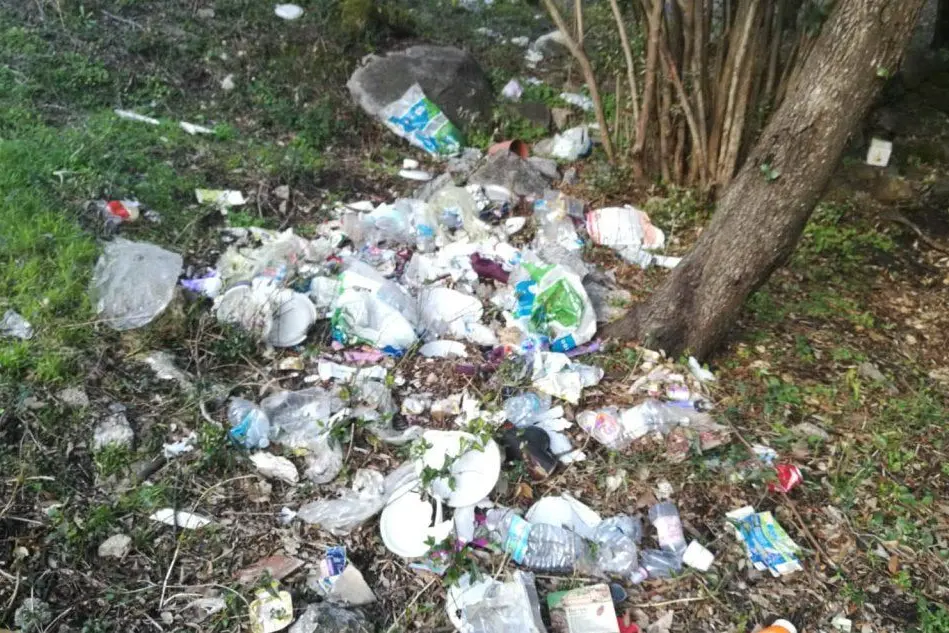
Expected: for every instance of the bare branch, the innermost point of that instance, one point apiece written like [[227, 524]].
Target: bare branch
[[588, 76]]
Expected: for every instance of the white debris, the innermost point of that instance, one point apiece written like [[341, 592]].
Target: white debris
[[134, 116], [181, 518], [116, 546], [275, 467]]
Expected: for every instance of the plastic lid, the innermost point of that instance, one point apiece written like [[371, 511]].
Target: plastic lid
[[784, 624]]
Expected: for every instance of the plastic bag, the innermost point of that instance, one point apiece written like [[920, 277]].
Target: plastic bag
[[556, 375], [368, 495], [133, 282], [552, 304], [361, 317], [12, 324], [302, 418], [489, 606], [450, 312], [416, 118]]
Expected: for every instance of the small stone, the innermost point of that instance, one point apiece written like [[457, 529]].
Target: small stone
[[116, 546], [870, 372], [327, 618], [282, 192], [115, 430], [227, 84], [205, 13], [546, 166], [570, 177], [73, 397], [535, 112]]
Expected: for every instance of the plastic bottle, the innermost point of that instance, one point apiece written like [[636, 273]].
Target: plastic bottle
[[665, 517], [537, 546], [526, 409], [250, 426], [657, 563], [426, 226], [780, 626]]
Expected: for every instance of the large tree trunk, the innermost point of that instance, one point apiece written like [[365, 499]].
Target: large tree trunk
[[760, 219]]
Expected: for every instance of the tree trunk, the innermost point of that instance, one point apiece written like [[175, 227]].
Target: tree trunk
[[759, 220]]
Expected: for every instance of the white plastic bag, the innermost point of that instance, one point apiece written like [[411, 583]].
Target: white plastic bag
[[133, 282]]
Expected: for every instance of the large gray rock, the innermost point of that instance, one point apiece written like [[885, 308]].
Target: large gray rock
[[449, 76], [510, 170]]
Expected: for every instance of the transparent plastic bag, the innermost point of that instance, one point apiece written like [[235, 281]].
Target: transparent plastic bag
[[506, 607], [301, 418], [368, 495], [133, 282]]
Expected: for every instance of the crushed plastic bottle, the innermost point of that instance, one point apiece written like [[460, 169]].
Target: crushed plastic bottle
[[527, 408], [538, 547], [250, 426]]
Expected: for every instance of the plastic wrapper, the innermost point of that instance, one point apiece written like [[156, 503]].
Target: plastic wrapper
[[416, 118], [368, 495], [133, 282], [490, 606], [16, 326], [768, 545], [324, 460], [553, 306], [618, 541], [556, 375]]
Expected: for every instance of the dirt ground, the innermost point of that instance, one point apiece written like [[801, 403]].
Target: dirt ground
[[849, 339]]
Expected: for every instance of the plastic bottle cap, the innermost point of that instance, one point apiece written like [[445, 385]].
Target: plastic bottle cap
[[784, 624]]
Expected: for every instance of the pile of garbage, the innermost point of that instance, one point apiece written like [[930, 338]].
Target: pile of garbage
[[462, 275]]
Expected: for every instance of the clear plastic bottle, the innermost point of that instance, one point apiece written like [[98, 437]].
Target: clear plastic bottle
[[426, 226], [665, 518], [657, 563], [250, 426], [527, 408], [537, 546]]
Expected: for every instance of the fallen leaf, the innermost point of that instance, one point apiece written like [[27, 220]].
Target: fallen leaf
[[893, 564]]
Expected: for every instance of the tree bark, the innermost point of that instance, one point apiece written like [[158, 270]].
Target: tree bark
[[759, 220]]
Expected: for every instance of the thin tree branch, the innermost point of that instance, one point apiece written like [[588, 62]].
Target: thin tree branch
[[588, 76], [649, 90], [630, 63]]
